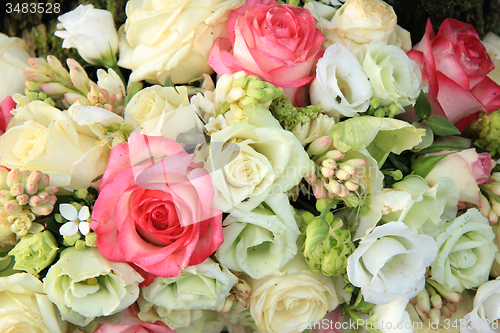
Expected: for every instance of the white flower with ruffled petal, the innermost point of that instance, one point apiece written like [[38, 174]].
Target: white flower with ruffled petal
[[77, 220]]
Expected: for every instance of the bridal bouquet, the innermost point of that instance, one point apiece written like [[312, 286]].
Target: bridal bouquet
[[250, 166]]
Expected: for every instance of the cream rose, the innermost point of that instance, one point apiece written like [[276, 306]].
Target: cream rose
[[40, 134], [390, 263], [466, 252], [13, 59], [485, 315], [24, 307], [290, 301], [359, 22], [252, 159], [171, 37]]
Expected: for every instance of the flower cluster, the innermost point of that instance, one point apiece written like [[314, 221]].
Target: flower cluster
[[255, 172]]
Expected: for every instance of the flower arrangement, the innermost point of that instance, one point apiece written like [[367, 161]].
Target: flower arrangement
[[250, 166]]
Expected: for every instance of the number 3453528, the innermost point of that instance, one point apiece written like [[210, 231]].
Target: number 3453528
[[32, 8]]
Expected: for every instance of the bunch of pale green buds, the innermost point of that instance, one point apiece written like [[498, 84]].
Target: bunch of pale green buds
[[486, 131], [23, 196], [389, 111], [327, 244], [434, 301]]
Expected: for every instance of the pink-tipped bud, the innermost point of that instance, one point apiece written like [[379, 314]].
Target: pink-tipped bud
[[452, 307], [351, 186], [54, 89], [310, 177], [24, 176], [72, 98], [336, 155], [493, 217], [44, 196], [348, 168], [35, 201], [344, 192], [329, 163], [35, 176], [111, 98], [17, 189], [435, 317], [39, 77], [326, 172], [44, 209], [319, 190], [12, 207], [446, 312], [5, 196], [320, 146], [44, 182], [79, 77], [103, 96], [56, 66], [342, 175], [13, 177], [423, 301], [436, 301], [52, 199], [119, 110], [23, 199], [355, 179], [109, 107], [335, 186], [31, 188], [52, 189]]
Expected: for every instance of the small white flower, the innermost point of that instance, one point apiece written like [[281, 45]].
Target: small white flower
[[77, 220], [216, 124]]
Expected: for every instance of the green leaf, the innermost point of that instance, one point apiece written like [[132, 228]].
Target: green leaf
[[133, 89], [423, 108], [168, 82], [422, 166], [441, 126]]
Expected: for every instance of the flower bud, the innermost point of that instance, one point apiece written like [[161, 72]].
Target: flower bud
[[80, 245], [31, 188], [54, 89], [335, 155], [17, 189], [225, 306], [13, 177], [91, 239], [12, 207], [423, 301], [34, 176], [320, 146], [43, 209], [22, 199]]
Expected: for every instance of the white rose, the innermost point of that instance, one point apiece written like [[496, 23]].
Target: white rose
[[485, 315], [24, 307], [359, 22], [172, 37], [40, 134], [292, 300], [13, 59], [92, 32], [466, 252], [341, 86], [391, 262], [259, 243], [394, 77], [252, 159]]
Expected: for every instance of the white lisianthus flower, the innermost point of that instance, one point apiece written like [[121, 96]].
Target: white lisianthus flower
[[252, 159], [85, 285], [24, 307], [13, 59], [293, 299], [466, 252], [395, 78], [40, 134], [390, 263], [172, 37], [92, 32], [340, 87], [485, 315], [259, 243]]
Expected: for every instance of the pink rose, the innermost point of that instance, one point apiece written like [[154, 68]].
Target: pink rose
[[331, 323], [5, 107], [154, 207], [130, 323], [467, 169], [278, 43], [454, 63]]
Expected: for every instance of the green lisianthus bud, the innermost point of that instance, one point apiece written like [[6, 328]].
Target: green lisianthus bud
[[34, 252]]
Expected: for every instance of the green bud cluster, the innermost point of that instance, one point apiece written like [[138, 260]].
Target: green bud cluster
[[290, 116], [327, 244], [487, 127], [240, 90], [435, 301], [377, 110], [23, 196]]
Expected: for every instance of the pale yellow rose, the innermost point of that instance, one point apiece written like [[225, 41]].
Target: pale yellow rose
[[41, 137], [13, 59], [293, 299], [359, 22], [171, 37], [24, 307], [492, 43]]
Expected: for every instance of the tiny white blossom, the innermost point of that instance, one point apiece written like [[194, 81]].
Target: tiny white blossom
[[77, 220]]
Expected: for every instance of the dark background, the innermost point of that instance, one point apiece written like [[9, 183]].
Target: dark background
[[37, 29]]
